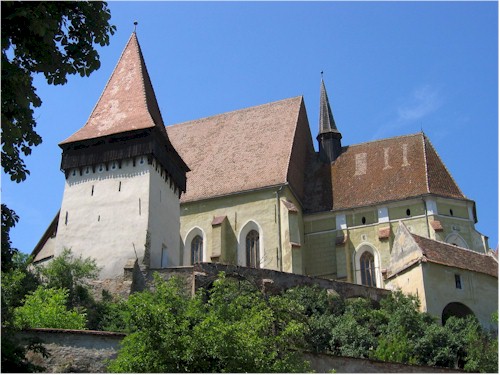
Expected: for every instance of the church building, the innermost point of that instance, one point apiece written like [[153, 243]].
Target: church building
[[248, 188]]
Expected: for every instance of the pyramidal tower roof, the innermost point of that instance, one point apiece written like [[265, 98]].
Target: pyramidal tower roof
[[326, 121], [128, 101]]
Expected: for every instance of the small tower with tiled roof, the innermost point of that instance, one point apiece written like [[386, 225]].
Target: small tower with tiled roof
[[329, 137], [123, 177]]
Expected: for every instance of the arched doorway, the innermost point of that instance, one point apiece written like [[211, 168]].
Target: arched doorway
[[455, 309]]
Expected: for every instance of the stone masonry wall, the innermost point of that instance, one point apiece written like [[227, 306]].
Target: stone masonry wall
[[73, 350], [90, 351]]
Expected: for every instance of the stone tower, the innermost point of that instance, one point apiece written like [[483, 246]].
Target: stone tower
[[124, 178], [329, 137]]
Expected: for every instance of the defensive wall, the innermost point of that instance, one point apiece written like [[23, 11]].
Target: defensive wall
[[202, 275], [90, 352]]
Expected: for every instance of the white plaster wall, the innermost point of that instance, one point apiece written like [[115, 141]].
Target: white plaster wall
[[164, 219], [106, 225], [47, 250]]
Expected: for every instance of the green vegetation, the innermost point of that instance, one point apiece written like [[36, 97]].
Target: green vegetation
[[230, 328], [46, 308], [55, 39], [233, 326]]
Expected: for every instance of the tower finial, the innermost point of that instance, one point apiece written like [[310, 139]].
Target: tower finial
[[321, 74], [135, 26]]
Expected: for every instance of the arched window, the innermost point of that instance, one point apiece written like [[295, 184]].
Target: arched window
[[197, 250], [252, 249], [367, 268]]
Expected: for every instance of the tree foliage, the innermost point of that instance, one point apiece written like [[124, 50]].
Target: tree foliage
[[9, 220], [55, 39], [70, 273], [236, 330], [46, 308]]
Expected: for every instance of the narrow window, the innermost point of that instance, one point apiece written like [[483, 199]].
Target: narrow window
[[66, 219], [120, 186], [451, 212], [92, 192], [98, 217], [458, 282], [197, 250], [139, 206], [164, 256], [363, 220], [252, 249], [408, 212], [367, 267]]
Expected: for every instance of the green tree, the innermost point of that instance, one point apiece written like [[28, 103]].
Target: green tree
[[9, 220], [16, 283], [230, 328], [70, 273], [319, 310], [46, 308], [53, 38], [352, 333]]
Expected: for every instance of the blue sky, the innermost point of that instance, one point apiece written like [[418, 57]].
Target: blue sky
[[390, 68]]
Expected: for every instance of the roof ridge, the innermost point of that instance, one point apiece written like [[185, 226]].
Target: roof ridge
[[425, 164], [426, 139], [290, 149], [127, 102], [383, 139], [109, 79], [236, 110], [449, 245]]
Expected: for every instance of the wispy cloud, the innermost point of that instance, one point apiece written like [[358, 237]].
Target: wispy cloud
[[423, 101]]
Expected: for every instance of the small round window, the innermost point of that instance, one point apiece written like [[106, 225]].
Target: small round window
[[100, 169], [74, 172], [114, 165], [141, 160], [87, 170]]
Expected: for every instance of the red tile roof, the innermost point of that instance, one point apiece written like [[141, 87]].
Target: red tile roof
[[453, 256], [127, 102], [389, 169], [436, 225], [243, 150]]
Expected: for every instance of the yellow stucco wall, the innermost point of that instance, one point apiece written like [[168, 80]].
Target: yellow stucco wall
[[241, 210], [410, 282]]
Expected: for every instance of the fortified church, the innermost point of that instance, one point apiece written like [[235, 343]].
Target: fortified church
[[247, 188]]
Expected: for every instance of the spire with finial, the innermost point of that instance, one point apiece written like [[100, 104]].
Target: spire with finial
[[329, 137], [135, 26]]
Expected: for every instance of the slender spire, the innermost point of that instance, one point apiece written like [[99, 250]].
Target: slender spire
[[329, 137], [127, 102], [326, 121]]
